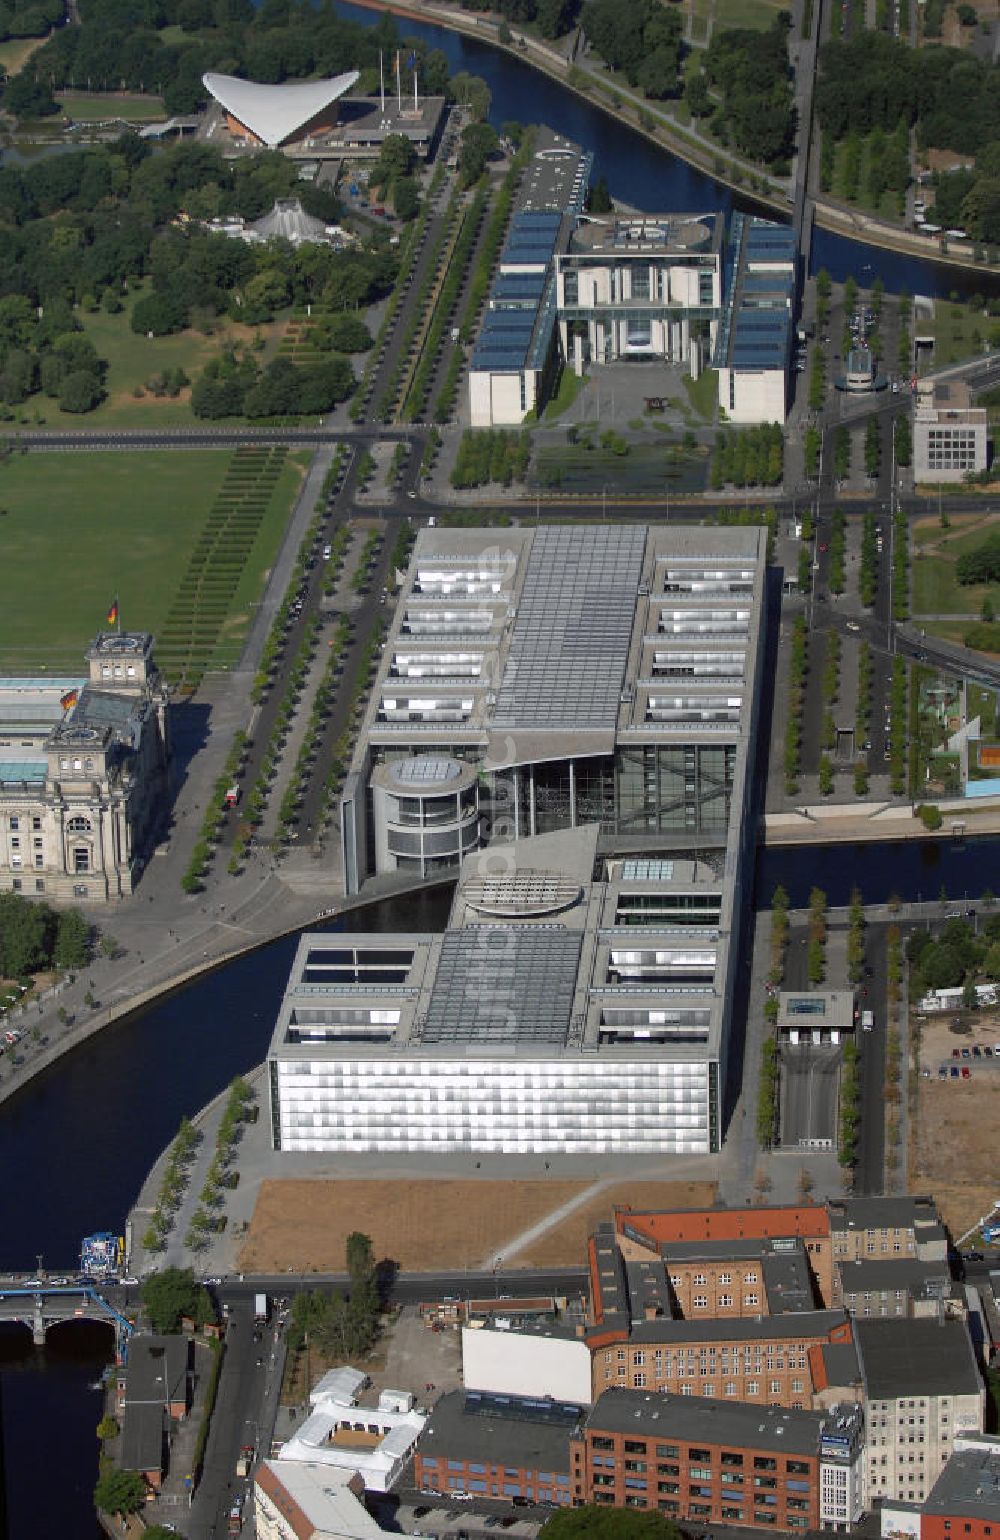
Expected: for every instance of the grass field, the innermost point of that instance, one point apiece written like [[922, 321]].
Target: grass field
[[16, 53], [133, 361], [935, 589], [758, 14], [570, 386], [960, 332], [703, 393], [302, 1226], [79, 528], [102, 109]]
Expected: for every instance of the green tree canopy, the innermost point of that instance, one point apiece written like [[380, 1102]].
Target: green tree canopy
[[173, 1293], [120, 1491], [24, 936], [597, 1523], [72, 944]]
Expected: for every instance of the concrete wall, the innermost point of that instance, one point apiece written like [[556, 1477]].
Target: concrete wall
[[752, 397], [526, 1364]]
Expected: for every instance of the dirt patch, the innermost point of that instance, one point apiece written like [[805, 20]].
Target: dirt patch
[[954, 1144], [567, 1241], [302, 1226]]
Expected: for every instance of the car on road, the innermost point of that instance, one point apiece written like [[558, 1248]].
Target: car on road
[[974, 1256]]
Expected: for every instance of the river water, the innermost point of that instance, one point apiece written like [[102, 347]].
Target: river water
[[76, 1145], [641, 173]]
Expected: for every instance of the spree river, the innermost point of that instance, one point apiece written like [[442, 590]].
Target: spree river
[[75, 1146], [77, 1143], [648, 177]]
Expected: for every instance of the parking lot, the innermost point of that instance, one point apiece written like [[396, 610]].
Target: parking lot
[[436, 1519]]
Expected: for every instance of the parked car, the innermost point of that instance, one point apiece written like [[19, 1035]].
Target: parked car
[[954, 1072], [966, 1072]]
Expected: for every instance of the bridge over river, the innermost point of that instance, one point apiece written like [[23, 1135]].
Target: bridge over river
[[40, 1306]]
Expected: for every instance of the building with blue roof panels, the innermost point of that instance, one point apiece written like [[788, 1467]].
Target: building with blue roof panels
[[515, 357], [84, 773], [754, 342]]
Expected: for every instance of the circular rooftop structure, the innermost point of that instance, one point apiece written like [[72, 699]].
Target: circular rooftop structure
[[522, 895], [425, 772]]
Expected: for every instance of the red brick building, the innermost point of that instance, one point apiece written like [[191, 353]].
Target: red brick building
[[699, 1461]]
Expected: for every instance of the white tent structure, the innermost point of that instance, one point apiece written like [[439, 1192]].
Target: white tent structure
[[274, 114]]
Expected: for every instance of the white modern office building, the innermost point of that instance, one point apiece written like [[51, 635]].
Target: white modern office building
[[949, 433], [754, 346], [564, 719], [643, 287]]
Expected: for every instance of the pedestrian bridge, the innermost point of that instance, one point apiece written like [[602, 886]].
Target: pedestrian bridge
[[45, 1305]]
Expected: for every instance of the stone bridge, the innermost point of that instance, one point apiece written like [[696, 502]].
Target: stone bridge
[[42, 1306]]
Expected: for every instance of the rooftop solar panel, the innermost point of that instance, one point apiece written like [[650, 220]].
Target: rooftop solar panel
[[571, 637], [504, 984]]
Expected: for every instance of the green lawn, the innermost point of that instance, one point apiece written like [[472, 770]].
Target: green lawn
[[733, 13], [15, 53], [983, 704], [101, 109], [570, 386], [703, 393], [936, 591], [79, 528], [959, 332], [133, 361]]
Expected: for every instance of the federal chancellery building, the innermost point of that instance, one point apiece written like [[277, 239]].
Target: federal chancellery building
[[84, 774], [564, 719]]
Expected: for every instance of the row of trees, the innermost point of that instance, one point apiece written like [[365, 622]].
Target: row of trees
[[746, 457], [34, 937], [639, 37], [958, 955], [340, 1326], [552, 18], [981, 564], [876, 84], [491, 454], [750, 71], [234, 386], [122, 43]]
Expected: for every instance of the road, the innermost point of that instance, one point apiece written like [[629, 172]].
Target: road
[[810, 1075], [869, 1166]]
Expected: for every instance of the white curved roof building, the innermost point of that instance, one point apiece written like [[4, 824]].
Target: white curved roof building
[[274, 114]]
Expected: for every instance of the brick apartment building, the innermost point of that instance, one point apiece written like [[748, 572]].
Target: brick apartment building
[[707, 1241], [711, 1462], [640, 1337], [497, 1446], [887, 1228], [963, 1504]]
